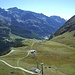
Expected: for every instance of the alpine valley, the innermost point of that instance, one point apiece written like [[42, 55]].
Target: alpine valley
[[28, 24], [21, 54]]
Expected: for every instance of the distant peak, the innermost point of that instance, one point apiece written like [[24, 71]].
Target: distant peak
[[13, 8], [54, 16]]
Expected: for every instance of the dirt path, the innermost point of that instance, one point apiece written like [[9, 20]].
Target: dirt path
[[23, 58], [8, 53], [32, 45], [24, 70], [26, 55], [17, 67]]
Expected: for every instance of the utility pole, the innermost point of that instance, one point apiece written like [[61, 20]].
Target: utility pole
[[42, 68], [36, 61]]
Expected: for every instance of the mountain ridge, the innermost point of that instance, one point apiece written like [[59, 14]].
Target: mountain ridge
[[67, 27], [38, 24], [66, 34]]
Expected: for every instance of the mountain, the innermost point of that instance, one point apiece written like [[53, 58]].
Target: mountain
[[9, 24], [66, 34], [67, 27], [30, 24]]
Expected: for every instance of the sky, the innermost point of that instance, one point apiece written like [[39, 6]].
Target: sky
[[62, 8]]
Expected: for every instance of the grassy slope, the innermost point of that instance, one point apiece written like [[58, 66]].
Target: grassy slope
[[60, 57], [67, 38], [13, 37]]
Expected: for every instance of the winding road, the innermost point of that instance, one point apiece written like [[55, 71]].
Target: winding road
[[17, 67], [18, 61], [23, 58], [8, 53]]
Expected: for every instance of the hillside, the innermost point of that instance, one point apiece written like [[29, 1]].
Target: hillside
[[19, 24], [9, 25], [58, 59], [67, 27], [57, 54], [29, 24], [66, 34]]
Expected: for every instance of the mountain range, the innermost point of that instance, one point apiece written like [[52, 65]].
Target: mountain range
[[28, 24], [57, 54], [66, 34]]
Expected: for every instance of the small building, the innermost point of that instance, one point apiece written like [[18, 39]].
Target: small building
[[33, 51], [36, 70]]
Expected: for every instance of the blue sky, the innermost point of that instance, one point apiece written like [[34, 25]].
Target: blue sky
[[63, 8]]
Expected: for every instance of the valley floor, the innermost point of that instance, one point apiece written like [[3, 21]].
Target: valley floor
[[58, 59]]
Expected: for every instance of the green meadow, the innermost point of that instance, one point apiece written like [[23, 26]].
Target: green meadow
[[58, 58]]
